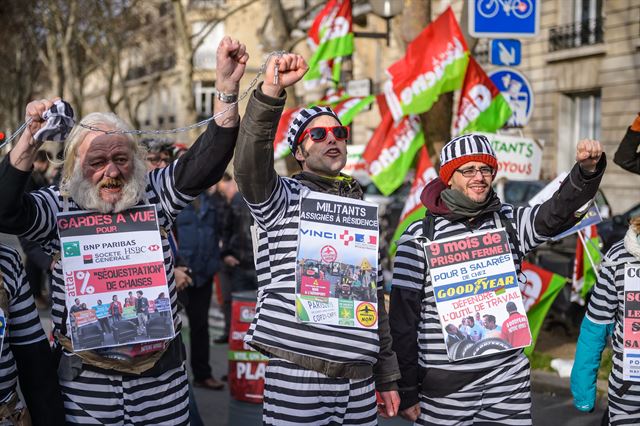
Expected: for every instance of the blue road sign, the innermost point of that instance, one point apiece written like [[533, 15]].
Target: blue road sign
[[505, 52], [504, 18], [517, 91]]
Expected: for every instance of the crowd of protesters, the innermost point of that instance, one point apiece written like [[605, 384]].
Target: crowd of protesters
[[247, 231]]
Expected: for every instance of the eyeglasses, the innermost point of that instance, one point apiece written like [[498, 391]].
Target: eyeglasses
[[157, 160], [470, 172], [319, 134]]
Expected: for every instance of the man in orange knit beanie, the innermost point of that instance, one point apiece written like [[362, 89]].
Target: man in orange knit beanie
[[627, 155]]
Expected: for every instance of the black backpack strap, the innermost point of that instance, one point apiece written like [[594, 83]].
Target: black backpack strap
[[511, 232], [429, 226]]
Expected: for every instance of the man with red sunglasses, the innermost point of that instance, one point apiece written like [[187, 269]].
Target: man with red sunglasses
[[307, 362]]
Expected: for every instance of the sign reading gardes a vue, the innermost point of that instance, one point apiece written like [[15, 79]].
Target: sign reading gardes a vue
[[519, 158]]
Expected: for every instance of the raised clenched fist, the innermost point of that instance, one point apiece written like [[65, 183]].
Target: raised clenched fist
[[588, 153], [291, 69]]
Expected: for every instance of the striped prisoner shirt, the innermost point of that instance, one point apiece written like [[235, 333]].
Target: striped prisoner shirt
[[160, 191], [606, 306], [23, 326], [275, 325], [410, 275]]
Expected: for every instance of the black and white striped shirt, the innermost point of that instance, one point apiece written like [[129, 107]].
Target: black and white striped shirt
[[275, 325], [410, 275], [160, 191], [23, 325], [606, 305]]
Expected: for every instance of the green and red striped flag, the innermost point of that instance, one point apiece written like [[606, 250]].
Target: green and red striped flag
[[435, 63], [392, 149], [541, 290], [413, 207], [348, 108], [330, 38], [482, 107], [280, 145]]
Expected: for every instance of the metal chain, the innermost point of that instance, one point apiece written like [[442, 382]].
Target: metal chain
[[17, 132], [253, 82]]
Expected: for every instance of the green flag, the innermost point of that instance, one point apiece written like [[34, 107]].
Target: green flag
[[331, 38], [542, 288]]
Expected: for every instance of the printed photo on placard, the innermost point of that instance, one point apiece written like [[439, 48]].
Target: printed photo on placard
[[115, 279], [337, 262], [477, 294]]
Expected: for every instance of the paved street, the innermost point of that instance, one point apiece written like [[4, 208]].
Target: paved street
[[218, 409]]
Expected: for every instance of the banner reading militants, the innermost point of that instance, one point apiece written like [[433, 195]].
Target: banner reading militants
[[330, 38], [435, 63], [482, 107], [413, 208], [541, 290], [392, 149]]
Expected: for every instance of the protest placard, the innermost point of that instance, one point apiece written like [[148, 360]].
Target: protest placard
[[631, 324], [106, 259], [477, 294], [337, 262], [519, 158]]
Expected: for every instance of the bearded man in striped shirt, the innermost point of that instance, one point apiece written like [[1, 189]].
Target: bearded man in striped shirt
[[105, 172], [491, 389]]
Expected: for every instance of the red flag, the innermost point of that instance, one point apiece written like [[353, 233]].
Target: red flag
[[482, 107], [434, 63], [280, 144]]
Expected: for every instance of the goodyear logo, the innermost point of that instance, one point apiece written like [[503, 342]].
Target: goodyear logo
[[366, 314], [479, 286]]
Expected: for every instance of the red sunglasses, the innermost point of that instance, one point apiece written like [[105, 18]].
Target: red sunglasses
[[319, 134]]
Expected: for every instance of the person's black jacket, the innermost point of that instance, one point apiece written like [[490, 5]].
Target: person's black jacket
[[627, 155], [236, 237]]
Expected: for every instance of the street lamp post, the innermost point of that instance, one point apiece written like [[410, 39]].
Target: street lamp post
[[386, 9]]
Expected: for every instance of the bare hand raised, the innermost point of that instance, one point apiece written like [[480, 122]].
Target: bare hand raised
[[588, 153], [231, 61], [291, 69]]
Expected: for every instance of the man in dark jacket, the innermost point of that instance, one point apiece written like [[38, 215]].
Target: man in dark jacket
[[238, 271], [306, 360], [462, 202], [198, 228]]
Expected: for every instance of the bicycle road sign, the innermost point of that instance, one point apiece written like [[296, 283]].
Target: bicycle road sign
[[504, 18], [518, 92]]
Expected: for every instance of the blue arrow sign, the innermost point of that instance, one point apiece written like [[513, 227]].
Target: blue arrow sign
[[505, 52], [504, 18]]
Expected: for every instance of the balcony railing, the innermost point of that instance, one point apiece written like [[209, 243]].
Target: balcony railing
[[577, 34]]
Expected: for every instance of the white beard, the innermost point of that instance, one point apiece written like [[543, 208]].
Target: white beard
[[87, 195]]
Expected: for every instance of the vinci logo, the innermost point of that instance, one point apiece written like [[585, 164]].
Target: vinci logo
[[346, 237], [361, 238]]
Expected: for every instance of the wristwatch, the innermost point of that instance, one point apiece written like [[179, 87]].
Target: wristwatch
[[227, 98]]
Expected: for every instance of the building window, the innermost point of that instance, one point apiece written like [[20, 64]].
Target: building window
[[205, 93], [585, 29], [580, 119]]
